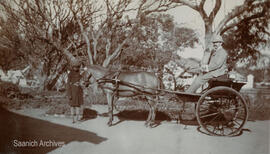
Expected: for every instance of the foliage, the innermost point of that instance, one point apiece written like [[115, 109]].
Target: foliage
[[248, 37], [243, 28], [58, 32], [6, 88], [10, 90], [10, 41], [25, 28], [156, 39]]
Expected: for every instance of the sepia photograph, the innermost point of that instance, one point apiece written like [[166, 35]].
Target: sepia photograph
[[134, 76]]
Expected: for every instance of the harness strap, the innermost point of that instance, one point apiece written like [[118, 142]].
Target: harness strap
[[113, 76]]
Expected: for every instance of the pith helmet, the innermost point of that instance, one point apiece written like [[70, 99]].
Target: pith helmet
[[217, 38]]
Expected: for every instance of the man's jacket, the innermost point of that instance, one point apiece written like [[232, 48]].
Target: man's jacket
[[217, 61]]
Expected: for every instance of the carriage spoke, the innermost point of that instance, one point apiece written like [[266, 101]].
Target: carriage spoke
[[237, 108], [202, 109], [214, 118], [240, 118], [208, 115], [208, 105], [235, 122], [222, 130], [214, 130], [218, 130], [232, 128]]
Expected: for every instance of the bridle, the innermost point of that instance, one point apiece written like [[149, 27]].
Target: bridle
[[87, 80]]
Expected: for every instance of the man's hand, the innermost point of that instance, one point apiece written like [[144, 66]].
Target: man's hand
[[211, 47], [204, 68], [194, 70]]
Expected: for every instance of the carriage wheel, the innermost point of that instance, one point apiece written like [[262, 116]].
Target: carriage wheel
[[222, 111]]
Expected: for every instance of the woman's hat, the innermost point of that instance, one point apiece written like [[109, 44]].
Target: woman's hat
[[75, 63]]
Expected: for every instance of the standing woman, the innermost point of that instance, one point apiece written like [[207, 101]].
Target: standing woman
[[75, 92]]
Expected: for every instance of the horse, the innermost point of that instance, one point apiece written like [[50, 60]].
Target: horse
[[115, 84]]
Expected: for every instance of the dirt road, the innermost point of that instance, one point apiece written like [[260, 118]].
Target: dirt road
[[126, 137]]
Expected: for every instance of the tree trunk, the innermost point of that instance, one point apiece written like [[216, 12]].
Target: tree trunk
[[42, 82], [208, 38], [52, 83]]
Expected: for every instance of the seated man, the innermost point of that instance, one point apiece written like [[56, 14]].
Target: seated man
[[213, 65]]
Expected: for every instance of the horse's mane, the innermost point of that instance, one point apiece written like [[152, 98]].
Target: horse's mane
[[108, 70], [104, 69], [98, 67]]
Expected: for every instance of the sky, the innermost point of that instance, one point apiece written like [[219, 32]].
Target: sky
[[188, 17]]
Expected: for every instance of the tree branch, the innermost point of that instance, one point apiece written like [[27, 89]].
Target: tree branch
[[115, 54], [254, 16], [188, 3], [214, 12], [90, 56], [234, 13], [201, 10]]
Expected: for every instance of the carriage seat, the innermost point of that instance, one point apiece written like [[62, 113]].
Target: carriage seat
[[225, 80], [222, 78]]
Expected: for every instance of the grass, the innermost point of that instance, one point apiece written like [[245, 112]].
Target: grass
[[57, 103], [258, 104]]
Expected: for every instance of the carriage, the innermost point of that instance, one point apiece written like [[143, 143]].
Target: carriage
[[220, 109]]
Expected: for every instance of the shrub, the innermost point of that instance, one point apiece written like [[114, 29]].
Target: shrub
[[92, 97], [8, 89]]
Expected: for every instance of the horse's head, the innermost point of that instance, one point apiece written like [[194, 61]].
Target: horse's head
[[93, 73], [88, 77]]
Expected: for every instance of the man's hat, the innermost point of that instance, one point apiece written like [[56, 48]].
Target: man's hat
[[217, 38]]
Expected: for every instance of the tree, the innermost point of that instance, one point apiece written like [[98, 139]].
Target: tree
[[234, 21], [44, 30], [246, 39], [10, 58], [115, 29], [156, 39], [56, 29], [264, 65]]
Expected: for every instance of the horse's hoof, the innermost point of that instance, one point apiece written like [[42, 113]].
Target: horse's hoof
[[109, 124], [152, 125], [146, 124]]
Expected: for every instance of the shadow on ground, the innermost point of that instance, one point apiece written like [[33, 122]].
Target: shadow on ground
[[89, 114], [141, 115], [22, 128]]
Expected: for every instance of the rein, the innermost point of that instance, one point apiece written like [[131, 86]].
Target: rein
[[112, 78], [128, 84]]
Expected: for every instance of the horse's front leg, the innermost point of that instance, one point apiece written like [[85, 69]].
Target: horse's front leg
[[147, 122], [110, 107], [152, 112]]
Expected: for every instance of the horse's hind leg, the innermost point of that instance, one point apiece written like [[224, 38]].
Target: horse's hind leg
[[151, 116], [147, 122], [110, 108]]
